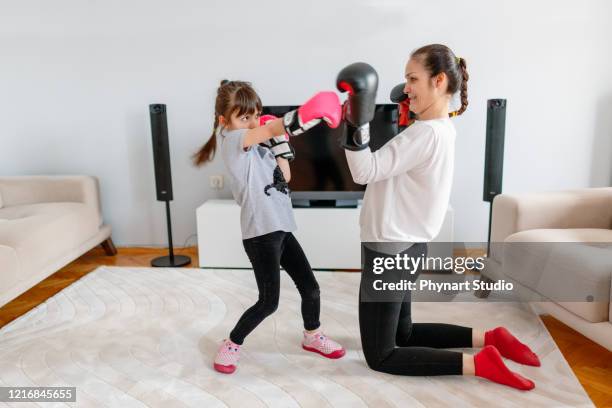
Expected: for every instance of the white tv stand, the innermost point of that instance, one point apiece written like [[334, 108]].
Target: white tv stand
[[329, 236]]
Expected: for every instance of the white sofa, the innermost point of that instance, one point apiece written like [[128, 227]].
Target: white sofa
[[556, 247], [46, 222]]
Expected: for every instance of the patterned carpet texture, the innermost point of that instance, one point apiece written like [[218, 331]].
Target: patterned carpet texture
[[137, 337]]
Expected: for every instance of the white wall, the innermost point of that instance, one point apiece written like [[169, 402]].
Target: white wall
[[77, 77]]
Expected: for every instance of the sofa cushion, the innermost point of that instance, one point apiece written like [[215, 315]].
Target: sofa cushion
[[568, 266], [575, 235], [40, 233]]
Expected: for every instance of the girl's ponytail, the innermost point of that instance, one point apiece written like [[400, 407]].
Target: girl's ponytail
[[207, 152]]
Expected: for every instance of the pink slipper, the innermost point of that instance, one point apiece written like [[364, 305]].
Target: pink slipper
[[320, 343], [227, 357]]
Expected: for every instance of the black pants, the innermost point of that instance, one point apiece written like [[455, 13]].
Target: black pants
[[393, 344], [267, 254]]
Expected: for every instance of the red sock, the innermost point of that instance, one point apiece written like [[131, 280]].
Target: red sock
[[489, 365], [510, 347]]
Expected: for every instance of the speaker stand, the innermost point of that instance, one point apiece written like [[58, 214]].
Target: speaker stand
[[171, 260], [489, 233]]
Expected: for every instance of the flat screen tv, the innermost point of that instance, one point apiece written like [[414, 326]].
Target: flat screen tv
[[320, 173]]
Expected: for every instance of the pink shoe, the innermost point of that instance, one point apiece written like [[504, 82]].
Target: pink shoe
[[320, 343], [227, 357]]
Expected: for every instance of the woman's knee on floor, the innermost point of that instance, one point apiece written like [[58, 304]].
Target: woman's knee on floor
[[375, 357], [374, 361]]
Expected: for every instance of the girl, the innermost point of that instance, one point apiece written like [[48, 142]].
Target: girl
[[259, 176], [408, 189]]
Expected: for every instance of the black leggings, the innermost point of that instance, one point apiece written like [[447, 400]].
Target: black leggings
[[267, 254], [393, 344]]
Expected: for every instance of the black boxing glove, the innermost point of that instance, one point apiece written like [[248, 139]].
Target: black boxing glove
[[360, 80], [406, 117]]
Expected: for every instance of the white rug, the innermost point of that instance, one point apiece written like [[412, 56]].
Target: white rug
[[135, 337]]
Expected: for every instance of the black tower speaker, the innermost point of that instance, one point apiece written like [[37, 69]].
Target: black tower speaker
[[163, 179], [494, 155], [161, 152], [494, 151]]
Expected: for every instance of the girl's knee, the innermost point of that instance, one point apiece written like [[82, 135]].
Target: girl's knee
[[268, 299], [269, 305]]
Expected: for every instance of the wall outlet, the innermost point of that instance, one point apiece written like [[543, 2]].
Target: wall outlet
[[216, 182]]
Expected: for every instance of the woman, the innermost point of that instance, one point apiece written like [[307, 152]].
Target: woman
[[408, 188]]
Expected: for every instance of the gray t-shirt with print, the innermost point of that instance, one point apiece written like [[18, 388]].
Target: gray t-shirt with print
[[257, 184]]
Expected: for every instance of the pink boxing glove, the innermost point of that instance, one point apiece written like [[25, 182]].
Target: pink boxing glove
[[279, 145], [322, 106], [263, 119]]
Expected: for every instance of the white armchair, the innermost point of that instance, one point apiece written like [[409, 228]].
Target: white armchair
[[582, 221], [45, 223]]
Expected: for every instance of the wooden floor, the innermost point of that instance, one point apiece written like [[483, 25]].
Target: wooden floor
[[591, 363]]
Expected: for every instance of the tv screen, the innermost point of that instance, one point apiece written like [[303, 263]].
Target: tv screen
[[320, 170]]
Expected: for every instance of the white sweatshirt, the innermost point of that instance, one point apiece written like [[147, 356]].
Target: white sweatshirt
[[409, 182]]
